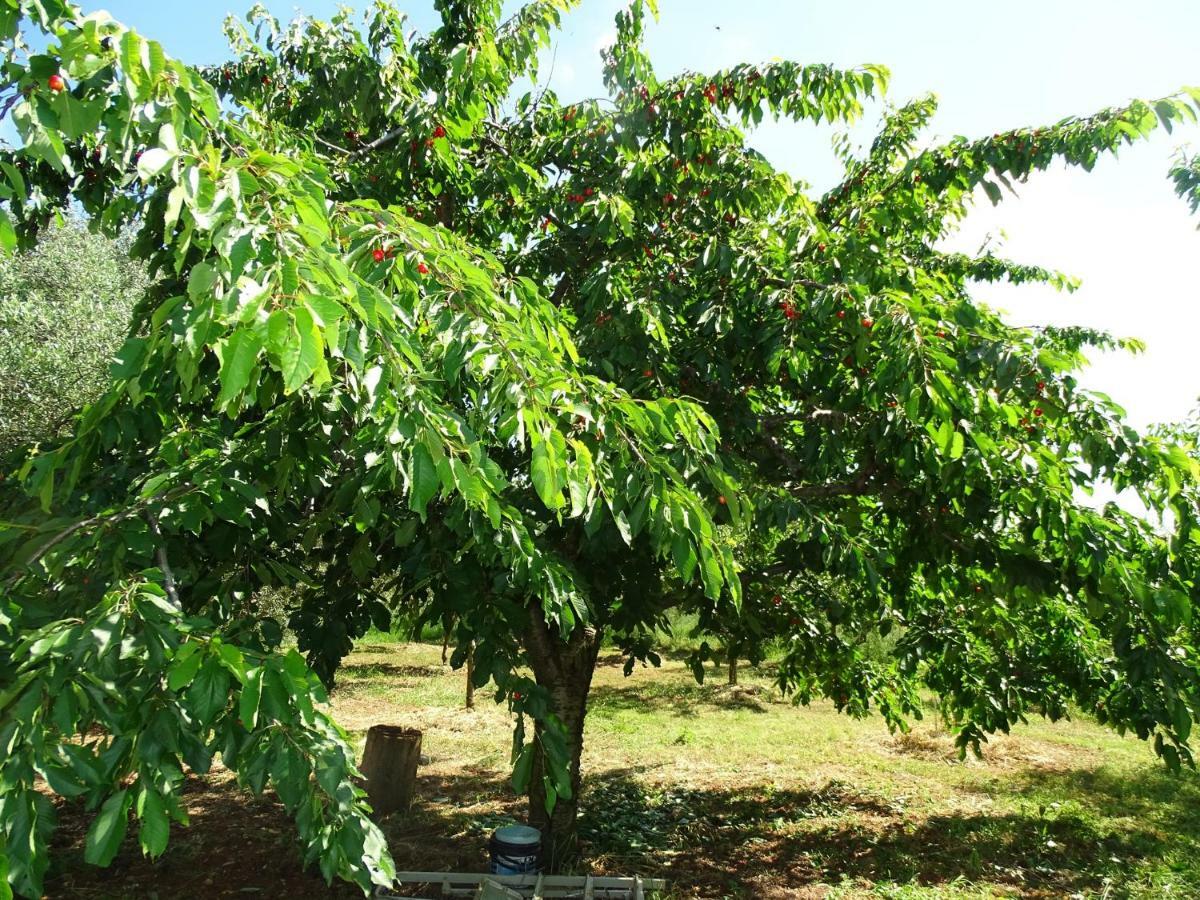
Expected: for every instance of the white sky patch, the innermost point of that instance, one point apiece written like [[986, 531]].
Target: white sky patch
[[1135, 253], [564, 73], [604, 41]]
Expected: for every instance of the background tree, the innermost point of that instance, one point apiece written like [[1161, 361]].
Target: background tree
[[1186, 175], [65, 308], [540, 368]]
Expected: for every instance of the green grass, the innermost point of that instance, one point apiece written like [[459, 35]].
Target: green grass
[[736, 792]]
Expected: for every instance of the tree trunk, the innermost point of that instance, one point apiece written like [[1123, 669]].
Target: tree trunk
[[389, 764], [733, 667], [564, 669], [471, 677]]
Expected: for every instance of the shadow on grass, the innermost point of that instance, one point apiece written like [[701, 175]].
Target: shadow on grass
[[1169, 801], [756, 841], [680, 698], [372, 671], [764, 842]]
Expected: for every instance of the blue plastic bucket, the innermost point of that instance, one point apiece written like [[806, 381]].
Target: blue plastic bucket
[[515, 850]]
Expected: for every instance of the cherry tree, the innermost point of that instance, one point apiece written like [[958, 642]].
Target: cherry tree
[[419, 341]]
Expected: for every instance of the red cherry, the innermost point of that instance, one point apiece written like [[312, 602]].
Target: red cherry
[[721, 499], [649, 373], [422, 268], [841, 314], [941, 334], [848, 361], [377, 255], [1038, 411], [777, 600], [439, 132], [56, 83], [649, 252], [821, 247], [867, 323], [943, 510], [891, 404], [516, 695], [978, 589], [1041, 385], [793, 621], [266, 79], [587, 192]]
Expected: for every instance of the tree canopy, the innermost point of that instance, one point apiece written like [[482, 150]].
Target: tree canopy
[[545, 371]]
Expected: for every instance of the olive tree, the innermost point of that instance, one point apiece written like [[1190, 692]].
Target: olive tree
[[65, 309]]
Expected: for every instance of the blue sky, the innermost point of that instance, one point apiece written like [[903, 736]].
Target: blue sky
[[993, 66]]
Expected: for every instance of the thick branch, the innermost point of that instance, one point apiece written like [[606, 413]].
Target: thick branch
[[160, 553], [386, 138], [110, 519]]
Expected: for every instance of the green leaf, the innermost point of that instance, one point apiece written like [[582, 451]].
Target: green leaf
[[209, 690], [184, 669], [250, 698], [238, 355], [301, 351], [133, 61], [684, 555], [956, 445], [8, 236], [155, 828], [543, 470], [108, 829], [523, 769], [425, 482], [153, 161], [710, 573]]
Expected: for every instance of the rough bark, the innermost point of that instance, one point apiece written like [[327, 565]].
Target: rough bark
[[564, 669], [470, 701], [733, 668]]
